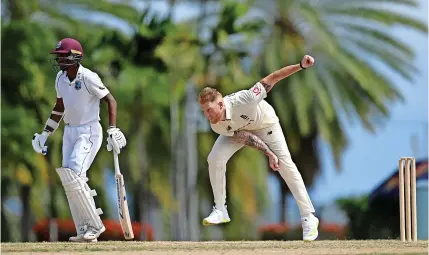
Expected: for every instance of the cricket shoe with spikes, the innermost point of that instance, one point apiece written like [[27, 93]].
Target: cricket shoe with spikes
[[217, 216], [79, 237], [93, 233], [309, 228]]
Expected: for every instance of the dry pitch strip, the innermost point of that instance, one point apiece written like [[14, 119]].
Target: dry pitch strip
[[220, 247]]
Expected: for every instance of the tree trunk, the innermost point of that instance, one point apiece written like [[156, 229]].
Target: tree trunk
[[145, 204], [175, 217], [134, 131], [182, 226], [283, 202], [138, 204], [192, 161], [5, 231], [25, 219], [53, 227], [143, 191], [174, 135]]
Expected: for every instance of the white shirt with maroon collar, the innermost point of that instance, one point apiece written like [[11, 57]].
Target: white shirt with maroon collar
[[81, 97], [246, 110]]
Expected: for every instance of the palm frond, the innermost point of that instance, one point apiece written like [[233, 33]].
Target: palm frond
[[352, 3], [378, 16], [390, 58], [377, 36], [123, 11]]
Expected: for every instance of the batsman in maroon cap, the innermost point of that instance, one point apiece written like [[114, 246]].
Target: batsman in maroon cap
[[79, 91]]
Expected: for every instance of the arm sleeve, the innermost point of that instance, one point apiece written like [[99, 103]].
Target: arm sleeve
[[253, 95], [95, 86], [57, 89]]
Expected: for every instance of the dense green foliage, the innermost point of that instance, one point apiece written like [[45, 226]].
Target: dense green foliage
[[147, 71]]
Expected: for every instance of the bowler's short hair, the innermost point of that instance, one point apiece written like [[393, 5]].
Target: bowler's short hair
[[208, 95]]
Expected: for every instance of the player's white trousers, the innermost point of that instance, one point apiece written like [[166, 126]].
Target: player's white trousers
[[273, 136], [80, 146]]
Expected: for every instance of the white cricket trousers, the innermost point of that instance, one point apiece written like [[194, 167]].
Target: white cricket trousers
[[273, 136], [80, 146]]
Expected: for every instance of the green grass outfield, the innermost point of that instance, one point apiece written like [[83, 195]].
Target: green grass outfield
[[220, 247]]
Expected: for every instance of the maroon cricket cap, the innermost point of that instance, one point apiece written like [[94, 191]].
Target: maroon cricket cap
[[68, 45]]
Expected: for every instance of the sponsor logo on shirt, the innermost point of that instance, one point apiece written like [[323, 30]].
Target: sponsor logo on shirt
[[256, 91], [77, 85], [244, 117]]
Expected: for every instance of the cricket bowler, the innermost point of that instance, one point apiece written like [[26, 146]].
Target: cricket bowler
[[245, 118], [79, 91]]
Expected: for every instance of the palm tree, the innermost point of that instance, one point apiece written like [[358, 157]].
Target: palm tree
[[141, 85], [346, 38]]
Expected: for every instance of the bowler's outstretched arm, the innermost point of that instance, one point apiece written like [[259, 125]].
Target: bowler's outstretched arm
[[269, 81]]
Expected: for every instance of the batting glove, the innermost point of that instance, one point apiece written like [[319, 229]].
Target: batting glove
[[115, 139], [39, 141]]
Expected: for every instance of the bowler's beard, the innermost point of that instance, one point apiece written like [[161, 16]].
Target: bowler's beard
[[218, 118]]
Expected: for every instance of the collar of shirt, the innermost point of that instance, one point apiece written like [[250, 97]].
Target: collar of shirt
[[78, 75], [227, 110]]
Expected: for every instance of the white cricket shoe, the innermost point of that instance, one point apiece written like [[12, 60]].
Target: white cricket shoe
[[217, 216], [309, 228], [79, 239], [93, 233]]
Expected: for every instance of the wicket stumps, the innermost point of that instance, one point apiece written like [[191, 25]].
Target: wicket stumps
[[407, 199]]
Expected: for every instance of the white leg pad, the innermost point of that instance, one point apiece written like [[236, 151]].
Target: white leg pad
[[79, 195], [92, 194], [99, 211], [77, 217]]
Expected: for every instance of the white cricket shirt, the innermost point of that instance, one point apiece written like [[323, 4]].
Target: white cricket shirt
[[81, 97], [246, 110]]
